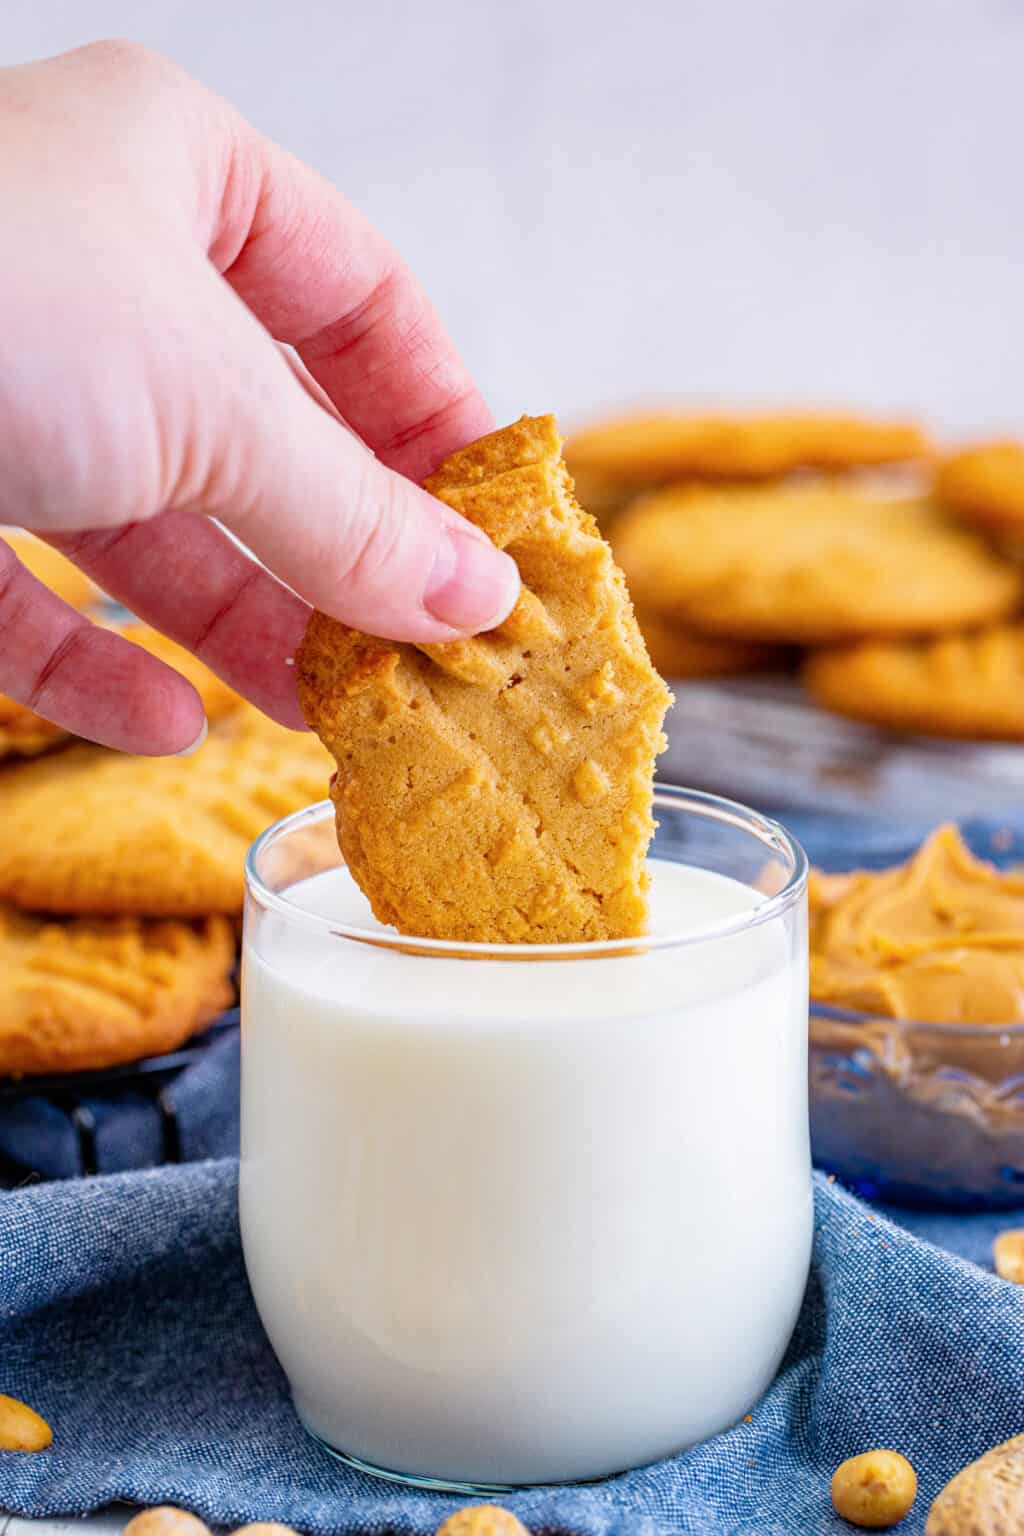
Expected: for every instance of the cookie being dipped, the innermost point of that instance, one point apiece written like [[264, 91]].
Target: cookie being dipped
[[499, 789]]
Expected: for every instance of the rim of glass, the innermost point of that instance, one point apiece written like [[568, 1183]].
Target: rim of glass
[[833, 1014], [771, 834]]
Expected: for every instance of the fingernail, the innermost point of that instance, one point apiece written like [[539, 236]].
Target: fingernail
[[187, 751], [472, 585]]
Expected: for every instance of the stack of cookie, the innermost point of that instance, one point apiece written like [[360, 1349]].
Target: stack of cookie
[[961, 682], [121, 881], [836, 543]]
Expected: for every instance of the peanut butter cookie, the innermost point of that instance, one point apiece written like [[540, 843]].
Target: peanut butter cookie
[[218, 698], [601, 496], [649, 449], [679, 654], [499, 788], [985, 485], [808, 564], [971, 684], [52, 569], [986, 1498], [90, 831], [85, 994], [23, 733]]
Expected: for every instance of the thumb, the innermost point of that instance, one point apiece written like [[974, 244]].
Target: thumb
[[349, 535]]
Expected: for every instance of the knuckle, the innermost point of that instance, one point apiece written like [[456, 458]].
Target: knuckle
[[123, 58], [373, 530], [129, 71]]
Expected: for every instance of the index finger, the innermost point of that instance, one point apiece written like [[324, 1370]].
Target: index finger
[[87, 679], [318, 275]]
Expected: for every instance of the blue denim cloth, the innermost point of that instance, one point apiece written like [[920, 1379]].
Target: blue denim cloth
[[126, 1319], [969, 1235]]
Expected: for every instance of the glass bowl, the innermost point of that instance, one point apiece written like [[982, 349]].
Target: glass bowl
[[920, 1114]]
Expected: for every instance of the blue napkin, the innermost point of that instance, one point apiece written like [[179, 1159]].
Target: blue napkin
[[125, 1318]]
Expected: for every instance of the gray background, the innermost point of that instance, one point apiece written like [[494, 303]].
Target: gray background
[[816, 200]]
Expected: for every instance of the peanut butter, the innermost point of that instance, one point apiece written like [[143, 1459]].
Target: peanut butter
[[939, 939]]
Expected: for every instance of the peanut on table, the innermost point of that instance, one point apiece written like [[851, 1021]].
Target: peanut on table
[[21, 1428], [875, 1489], [475, 1520]]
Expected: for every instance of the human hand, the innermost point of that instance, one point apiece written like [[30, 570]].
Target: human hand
[[156, 249]]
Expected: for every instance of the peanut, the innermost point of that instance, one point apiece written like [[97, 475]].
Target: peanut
[[987, 1497], [21, 1428], [165, 1520], [483, 1520], [1008, 1253], [875, 1489], [265, 1528]]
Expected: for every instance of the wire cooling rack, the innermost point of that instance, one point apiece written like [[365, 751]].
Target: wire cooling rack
[[762, 741], [71, 1092]]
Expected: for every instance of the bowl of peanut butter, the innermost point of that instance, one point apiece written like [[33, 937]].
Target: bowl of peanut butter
[[917, 1027]]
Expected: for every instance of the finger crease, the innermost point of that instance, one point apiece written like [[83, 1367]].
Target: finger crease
[[96, 545], [424, 425], [56, 659], [241, 200], [342, 335], [224, 611]]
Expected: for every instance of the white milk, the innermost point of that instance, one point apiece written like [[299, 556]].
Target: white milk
[[526, 1222]]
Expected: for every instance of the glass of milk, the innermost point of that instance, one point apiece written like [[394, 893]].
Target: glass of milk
[[521, 1214]]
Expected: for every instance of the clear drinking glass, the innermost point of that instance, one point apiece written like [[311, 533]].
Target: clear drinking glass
[[521, 1214]]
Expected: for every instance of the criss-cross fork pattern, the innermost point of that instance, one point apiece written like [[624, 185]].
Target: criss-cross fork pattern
[[500, 787], [86, 994], [91, 831]]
